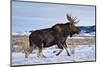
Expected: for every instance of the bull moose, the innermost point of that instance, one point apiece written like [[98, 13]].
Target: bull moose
[[56, 35]]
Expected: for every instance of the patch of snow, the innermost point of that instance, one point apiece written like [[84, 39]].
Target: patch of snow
[[14, 33], [86, 34], [81, 53], [76, 37], [93, 33]]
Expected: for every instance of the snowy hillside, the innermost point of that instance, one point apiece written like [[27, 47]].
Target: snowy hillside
[[78, 53], [85, 31]]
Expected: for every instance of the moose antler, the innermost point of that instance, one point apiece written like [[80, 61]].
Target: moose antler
[[69, 18], [72, 19]]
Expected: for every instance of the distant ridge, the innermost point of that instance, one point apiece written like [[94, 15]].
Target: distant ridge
[[85, 31]]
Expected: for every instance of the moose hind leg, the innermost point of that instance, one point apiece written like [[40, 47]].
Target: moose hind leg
[[28, 51], [59, 44], [26, 54], [59, 52], [40, 52]]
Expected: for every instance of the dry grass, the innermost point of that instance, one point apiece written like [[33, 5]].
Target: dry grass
[[21, 41], [86, 41], [24, 42]]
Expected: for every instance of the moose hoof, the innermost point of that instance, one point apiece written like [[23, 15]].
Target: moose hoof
[[42, 56], [26, 56], [68, 54], [57, 54], [54, 51]]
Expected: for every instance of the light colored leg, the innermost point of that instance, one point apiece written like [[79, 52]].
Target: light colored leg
[[28, 51], [26, 54]]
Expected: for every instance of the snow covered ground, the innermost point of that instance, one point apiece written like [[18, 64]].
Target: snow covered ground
[[80, 53]]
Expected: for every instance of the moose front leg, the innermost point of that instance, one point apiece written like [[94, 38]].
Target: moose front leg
[[65, 46]]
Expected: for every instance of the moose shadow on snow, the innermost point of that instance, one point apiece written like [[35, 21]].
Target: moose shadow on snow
[[56, 35]]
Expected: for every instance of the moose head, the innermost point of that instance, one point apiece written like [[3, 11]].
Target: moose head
[[71, 28]]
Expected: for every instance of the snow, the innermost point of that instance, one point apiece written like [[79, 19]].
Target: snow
[[80, 53], [21, 33], [87, 34], [14, 33], [77, 37]]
